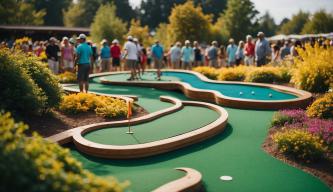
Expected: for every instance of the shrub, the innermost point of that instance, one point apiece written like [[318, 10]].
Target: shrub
[[42, 76], [233, 74], [264, 75], [20, 94], [322, 128], [322, 107], [314, 69], [280, 119], [67, 77], [209, 72], [102, 105], [111, 107], [33, 164], [300, 144], [285, 75], [78, 103]]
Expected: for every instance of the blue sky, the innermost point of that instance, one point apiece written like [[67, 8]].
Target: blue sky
[[283, 8]]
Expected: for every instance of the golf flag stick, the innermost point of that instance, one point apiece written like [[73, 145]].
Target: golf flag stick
[[129, 115]]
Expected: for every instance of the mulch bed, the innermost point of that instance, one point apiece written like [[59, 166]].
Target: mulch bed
[[56, 121], [322, 169]]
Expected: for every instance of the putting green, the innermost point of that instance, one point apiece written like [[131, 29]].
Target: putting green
[[236, 152], [171, 125]]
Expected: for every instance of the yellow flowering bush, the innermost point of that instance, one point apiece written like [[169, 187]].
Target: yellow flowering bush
[[67, 77], [322, 107], [34, 164], [234, 74], [110, 107], [102, 105], [209, 72], [314, 69], [264, 75], [300, 144]]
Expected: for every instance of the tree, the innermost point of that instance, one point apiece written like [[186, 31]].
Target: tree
[[296, 24], [81, 14], [188, 22], [154, 12], [107, 25], [321, 22], [140, 32], [161, 35], [20, 12], [239, 18], [267, 25], [54, 10]]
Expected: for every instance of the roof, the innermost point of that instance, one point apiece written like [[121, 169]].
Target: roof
[[45, 28]]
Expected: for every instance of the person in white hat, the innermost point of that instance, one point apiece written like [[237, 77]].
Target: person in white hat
[[262, 50], [212, 54], [187, 55], [67, 55], [83, 60], [53, 53], [115, 54], [131, 57], [105, 54]]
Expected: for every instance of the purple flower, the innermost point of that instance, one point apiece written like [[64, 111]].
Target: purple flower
[[298, 115], [321, 127]]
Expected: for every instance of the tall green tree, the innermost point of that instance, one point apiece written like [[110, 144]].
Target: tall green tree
[[54, 10], [188, 22], [321, 22], [267, 25], [20, 12], [81, 13], [154, 12], [296, 24], [239, 19], [107, 25], [140, 32]]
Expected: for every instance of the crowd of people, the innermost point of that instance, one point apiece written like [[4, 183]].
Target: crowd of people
[[90, 58]]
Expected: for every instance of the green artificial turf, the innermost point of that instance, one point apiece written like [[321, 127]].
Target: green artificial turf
[[236, 152], [168, 126]]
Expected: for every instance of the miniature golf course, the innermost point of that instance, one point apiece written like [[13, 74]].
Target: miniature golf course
[[235, 152]]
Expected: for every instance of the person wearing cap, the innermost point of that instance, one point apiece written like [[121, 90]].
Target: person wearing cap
[[187, 55], [249, 51], [212, 55], [115, 54], [157, 54], [53, 52], [67, 55], [105, 55], [131, 57], [84, 59], [262, 50], [231, 53], [175, 55]]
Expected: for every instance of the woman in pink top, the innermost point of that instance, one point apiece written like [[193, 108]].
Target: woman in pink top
[[67, 55]]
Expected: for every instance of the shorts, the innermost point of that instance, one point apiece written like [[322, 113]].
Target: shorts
[[116, 62], [53, 66], [131, 63], [68, 64], [158, 63], [83, 72], [105, 65]]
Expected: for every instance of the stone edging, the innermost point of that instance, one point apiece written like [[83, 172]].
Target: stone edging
[[216, 97], [189, 183]]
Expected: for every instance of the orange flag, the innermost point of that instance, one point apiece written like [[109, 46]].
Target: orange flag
[[129, 109]]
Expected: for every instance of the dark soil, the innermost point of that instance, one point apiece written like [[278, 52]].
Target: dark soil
[[322, 169], [56, 121]]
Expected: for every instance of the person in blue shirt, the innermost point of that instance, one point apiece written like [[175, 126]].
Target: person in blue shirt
[[157, 54], [262, 50], [83, 60], [105, 55], [231, 53], [187, 55]]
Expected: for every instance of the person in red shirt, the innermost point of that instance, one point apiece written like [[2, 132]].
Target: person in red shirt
[[115, 54], [249, 51]]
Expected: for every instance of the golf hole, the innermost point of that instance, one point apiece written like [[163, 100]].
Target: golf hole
[[226, 178]]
